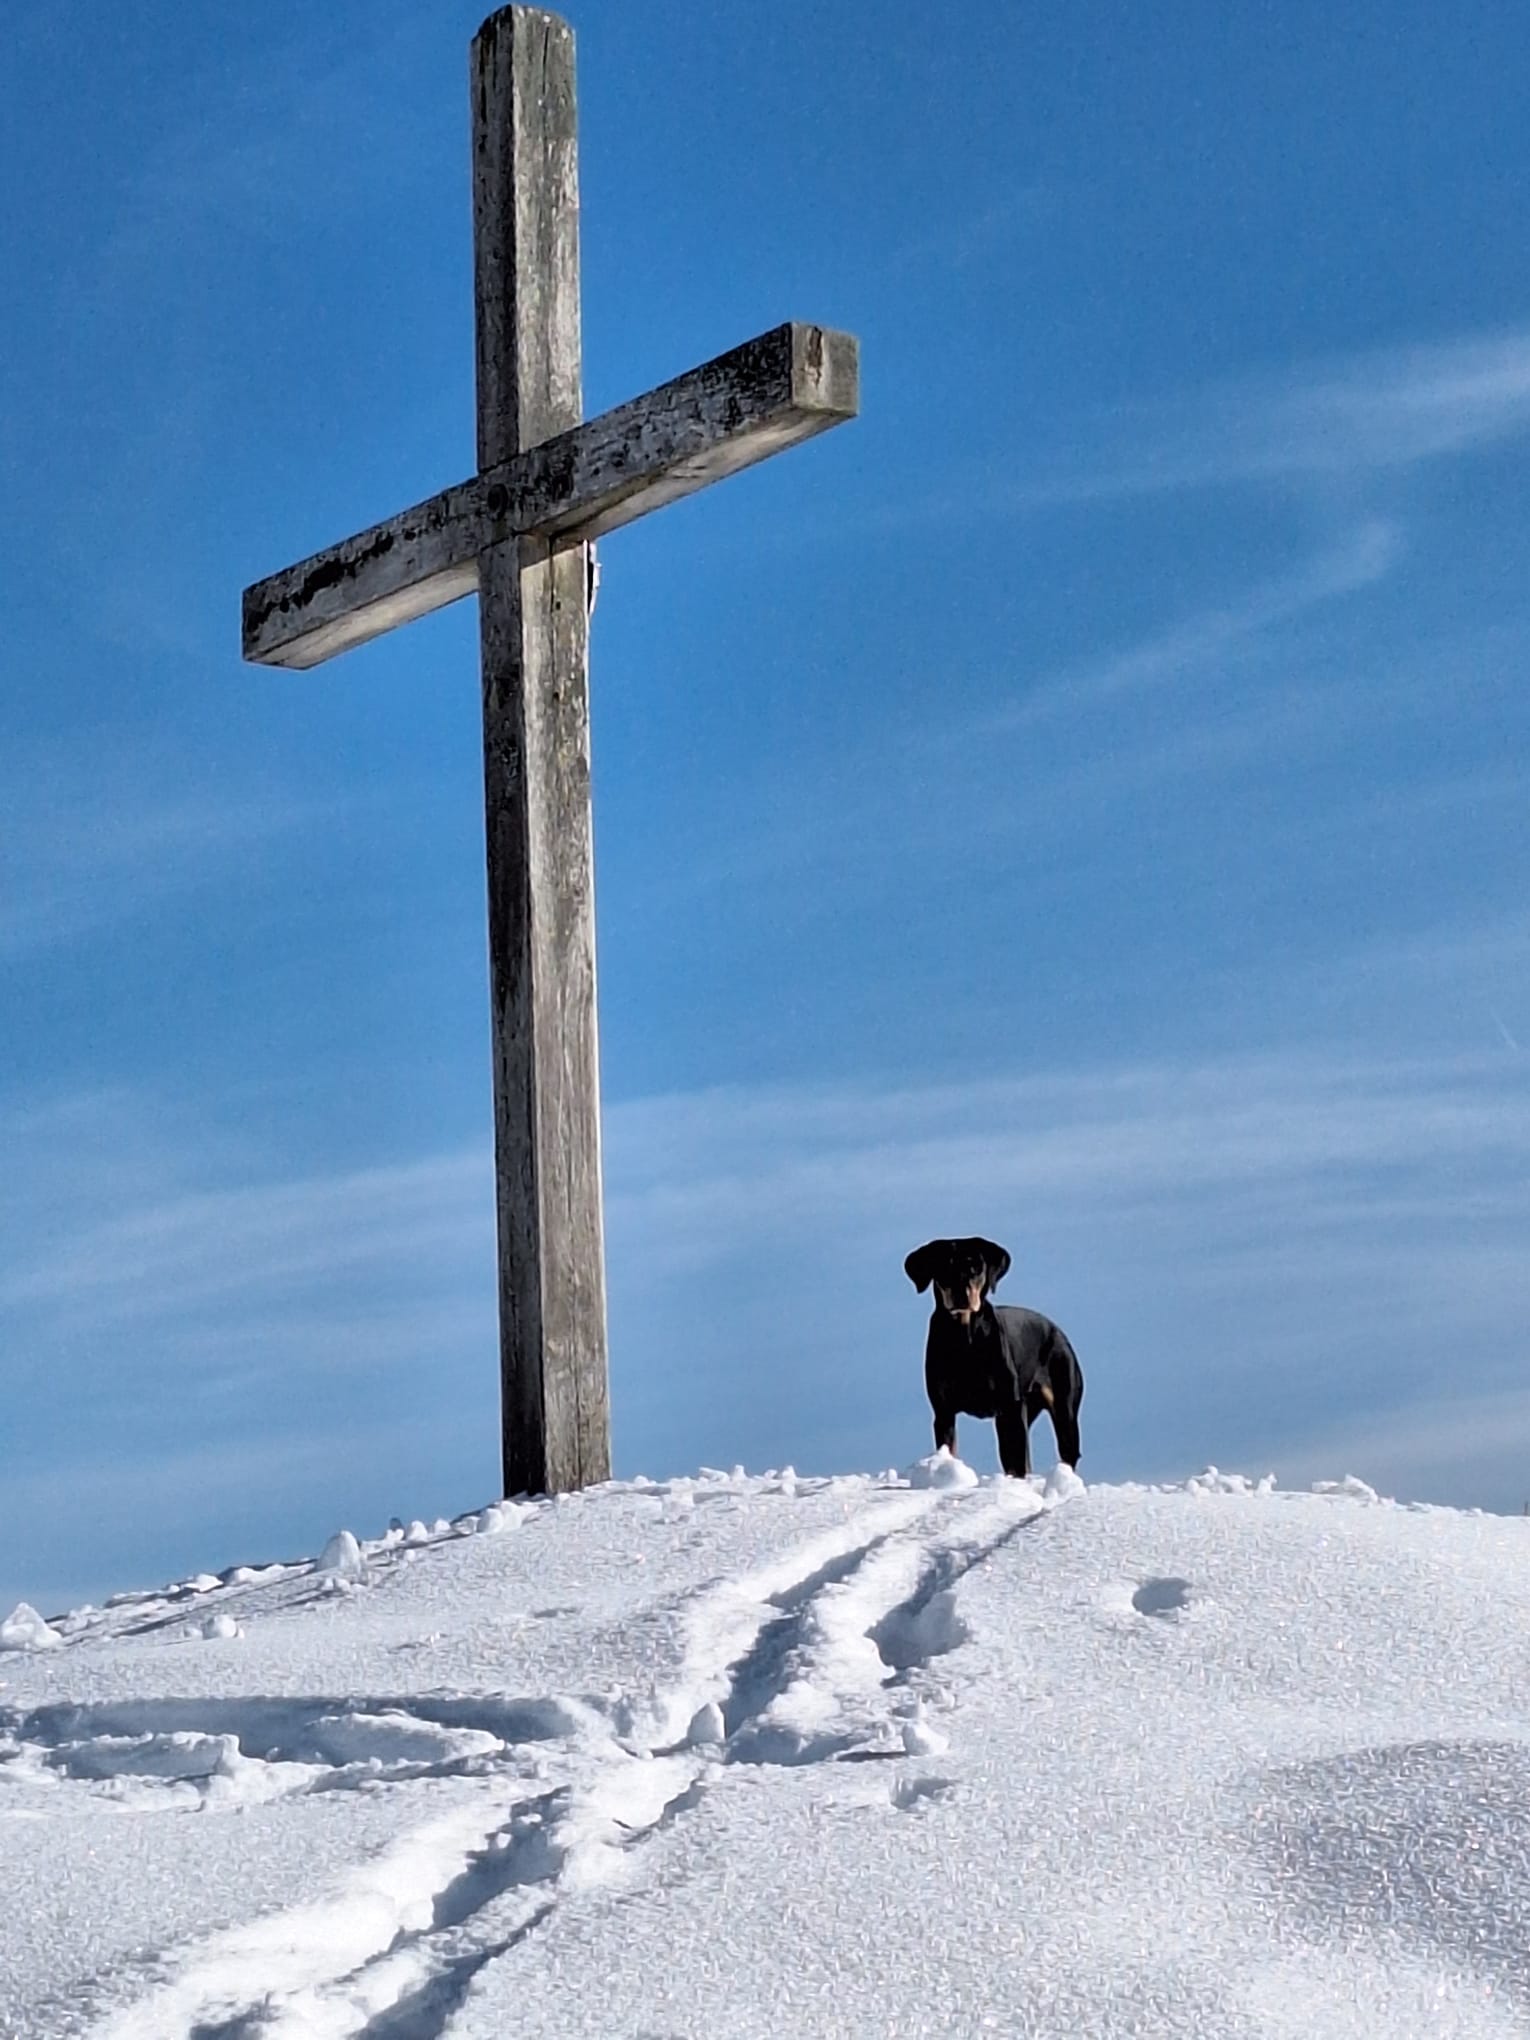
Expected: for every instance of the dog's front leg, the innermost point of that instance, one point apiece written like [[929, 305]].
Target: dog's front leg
[[1014, 1441], [937, 1386], [945, 1431]]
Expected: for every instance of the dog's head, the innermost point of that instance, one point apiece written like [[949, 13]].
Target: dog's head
[[963, 1272]]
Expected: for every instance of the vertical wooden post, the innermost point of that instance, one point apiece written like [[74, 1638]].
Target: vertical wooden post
[[533, 626], [518, 532]]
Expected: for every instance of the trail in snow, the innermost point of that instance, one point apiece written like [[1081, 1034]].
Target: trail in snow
[[837, 1758], [818, 1654]]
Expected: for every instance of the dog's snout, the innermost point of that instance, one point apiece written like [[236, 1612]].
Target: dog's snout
[[963, 1293]]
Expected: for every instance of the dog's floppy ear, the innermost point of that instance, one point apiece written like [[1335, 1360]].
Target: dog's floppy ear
[[996, 1261], [920, 1265]]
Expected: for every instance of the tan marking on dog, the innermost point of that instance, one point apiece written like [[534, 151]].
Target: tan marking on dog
[[962, 1312]]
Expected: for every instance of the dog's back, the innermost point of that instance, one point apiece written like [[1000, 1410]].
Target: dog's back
[[1033, 1345]]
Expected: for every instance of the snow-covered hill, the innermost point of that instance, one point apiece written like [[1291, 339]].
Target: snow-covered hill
[[759, 1756]]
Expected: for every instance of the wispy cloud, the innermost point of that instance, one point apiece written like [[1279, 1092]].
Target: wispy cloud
[[735, 1163], [1432, 1447], [1374, 413], [1338, 431], [1202, 706], [113, 1237], [1257, 1255], [1238, 1245], [208, 1356], [1223, 632], [184, 1254], [963, 237], [77, 854]]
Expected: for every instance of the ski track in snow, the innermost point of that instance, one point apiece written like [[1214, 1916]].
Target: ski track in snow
[[825, 1654]]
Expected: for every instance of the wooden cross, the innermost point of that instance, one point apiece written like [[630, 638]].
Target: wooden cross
[[518, 532]]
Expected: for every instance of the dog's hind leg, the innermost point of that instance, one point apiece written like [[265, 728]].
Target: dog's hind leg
[[1064, 1414], [1065, 1426], [1064, 1421], [1014, 1441], [1064, 1391]]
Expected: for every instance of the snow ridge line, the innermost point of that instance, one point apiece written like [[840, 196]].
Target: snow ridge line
[[793, 1663]]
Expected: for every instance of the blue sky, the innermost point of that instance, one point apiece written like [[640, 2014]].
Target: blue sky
[[1080, 802]]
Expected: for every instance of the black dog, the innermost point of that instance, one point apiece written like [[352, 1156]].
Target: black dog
[[982, 1360]]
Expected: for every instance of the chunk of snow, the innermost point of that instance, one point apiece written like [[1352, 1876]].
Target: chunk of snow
[[500, 1516], [1213, 1482], [707, 1726], [921, 1740], [341, 1558], [25, 1629], [220, 1625], [1357, 1490], [1063, 1483], [940, 1470]]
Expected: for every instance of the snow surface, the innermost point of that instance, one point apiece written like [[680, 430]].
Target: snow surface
[[754, 1756]]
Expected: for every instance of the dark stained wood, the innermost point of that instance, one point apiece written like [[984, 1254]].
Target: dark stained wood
[[784, 387], [517, 532]]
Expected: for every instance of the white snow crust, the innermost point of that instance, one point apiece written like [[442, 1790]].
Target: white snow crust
[[924, 1753]]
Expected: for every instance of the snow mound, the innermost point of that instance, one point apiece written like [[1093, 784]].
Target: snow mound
[[341, 1558], [941, 1470], [1356, 1490], [1212, 1482], [706, 1726], [1256, 1764], [25, 1629], [1062, 1484], [500, 1516], [921, 1740]]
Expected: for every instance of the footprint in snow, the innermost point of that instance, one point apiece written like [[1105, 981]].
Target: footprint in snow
[[1162, 1597]]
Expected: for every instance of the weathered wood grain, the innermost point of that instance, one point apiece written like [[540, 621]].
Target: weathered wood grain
[[774, 391], [517, 534], [534, 637]]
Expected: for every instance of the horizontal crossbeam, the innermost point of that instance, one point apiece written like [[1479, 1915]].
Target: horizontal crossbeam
[[790, 383]]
